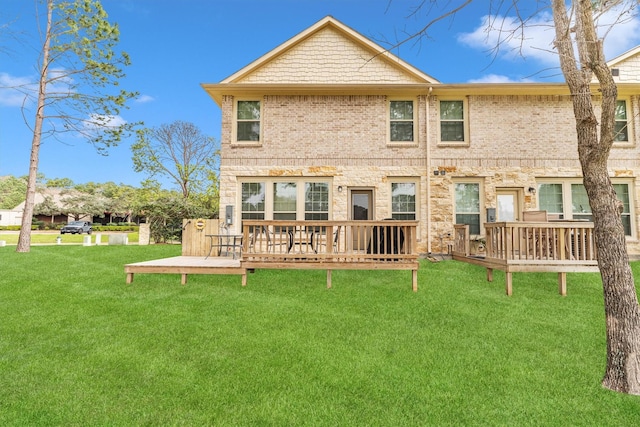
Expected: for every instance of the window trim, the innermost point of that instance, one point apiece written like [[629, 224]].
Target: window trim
[[414, 120], [234, 131], [465, 119]]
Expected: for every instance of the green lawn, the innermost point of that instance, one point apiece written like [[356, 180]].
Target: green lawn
[[49, 237], [79, 347]]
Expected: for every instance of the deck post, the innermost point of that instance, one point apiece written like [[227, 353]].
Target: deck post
[[129, 278], [328, 279], [244, 278], [509, 282], [562, 284], [414, 280], [183, 279], [489, 274]]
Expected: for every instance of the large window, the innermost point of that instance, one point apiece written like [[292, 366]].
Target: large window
[[316, 201], [403, 200], [253, 200], [284, 200], [401, 121], [467, 197], [452, 121], [568, 200], [622, 129], [550, 199], [248, 121]]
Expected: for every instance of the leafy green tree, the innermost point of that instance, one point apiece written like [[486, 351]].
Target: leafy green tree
[[47, 207], [78, 205], [178, 151], [12, 191], [59, 183], [77, 88]]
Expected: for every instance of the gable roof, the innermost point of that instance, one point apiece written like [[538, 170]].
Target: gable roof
[[623, 57], [327, 56]]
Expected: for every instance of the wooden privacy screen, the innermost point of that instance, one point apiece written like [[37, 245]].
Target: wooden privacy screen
[[194, 240]]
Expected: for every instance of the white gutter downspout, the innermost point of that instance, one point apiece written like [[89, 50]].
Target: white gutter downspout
[[428, 156]]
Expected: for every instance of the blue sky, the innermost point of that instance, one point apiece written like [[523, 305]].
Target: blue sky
[[175, 45]]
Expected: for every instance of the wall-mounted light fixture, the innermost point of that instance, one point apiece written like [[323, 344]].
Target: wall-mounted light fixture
[[439, 172], [339, 188], [532, 190], [436, 172]]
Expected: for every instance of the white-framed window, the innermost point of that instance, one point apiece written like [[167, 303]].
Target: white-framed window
[[403, 200], [401, 121], [622, 123], [253, 200], [248, 113], [453, 127], [285, 198], [567, 199], [468, 205], [316, 201]]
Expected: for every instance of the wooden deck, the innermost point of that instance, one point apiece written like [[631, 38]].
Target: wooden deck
[[325, 245], [185, 265], [559, 247]]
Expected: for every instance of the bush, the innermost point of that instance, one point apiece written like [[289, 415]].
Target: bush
[[114, 227]]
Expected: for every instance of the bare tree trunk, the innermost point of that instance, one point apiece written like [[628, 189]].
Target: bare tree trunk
[[24, 239], [620, 299]]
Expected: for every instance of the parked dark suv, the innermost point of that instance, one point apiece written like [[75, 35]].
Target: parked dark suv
[[76, 227]]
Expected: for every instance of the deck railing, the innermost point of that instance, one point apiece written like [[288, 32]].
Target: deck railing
[[532, 241], [387, 241]]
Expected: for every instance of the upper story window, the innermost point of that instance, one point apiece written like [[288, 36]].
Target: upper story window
[[401, 121], [622, 129], [248, 121], [453, 126], [403, 200]]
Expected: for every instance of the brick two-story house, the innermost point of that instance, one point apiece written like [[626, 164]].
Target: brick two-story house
[[329, 125]]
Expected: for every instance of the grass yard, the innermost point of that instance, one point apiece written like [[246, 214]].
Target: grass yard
[[49, 237], [79, 347]]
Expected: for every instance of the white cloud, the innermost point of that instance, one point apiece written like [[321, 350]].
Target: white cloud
[[534, 39], [497, 78], [13, 89], [143, 99], [96, 121]]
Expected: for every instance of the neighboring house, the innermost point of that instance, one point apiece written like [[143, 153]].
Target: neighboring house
[[54, 195], [331, 126]]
